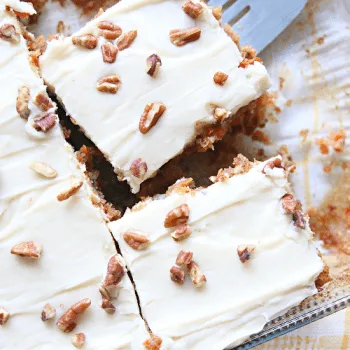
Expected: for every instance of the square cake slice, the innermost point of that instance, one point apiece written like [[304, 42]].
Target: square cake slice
[[213, 265], [146, 77], [56, 252]]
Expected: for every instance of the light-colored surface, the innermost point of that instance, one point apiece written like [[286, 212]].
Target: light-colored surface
[[185, 83], [76, 243], [238, 299]]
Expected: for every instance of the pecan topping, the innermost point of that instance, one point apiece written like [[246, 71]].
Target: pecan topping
[[28, 249], [43, 169], [43, 101], [299, 220], [109, 52], [220, 78], [139, 168], [110, 84], [104, 293], [153, 64], [4, 316], [48, 313], [289, 203], [64, 195], [78, 340], [197, 277], [87, 41], [107, 306], [8, 32], [67, 321], [192, 9], [109, 30], [220, 113], [154, 343], [150, 116], [136, 240], [217, 12], [180, 37], [115, 271], [247, 62], [22, 102], [181, 186], [177, 216], [181, 232], [177, 275], [126, 40], [244, 251], [276, 163], [184, 258], [45, 122]]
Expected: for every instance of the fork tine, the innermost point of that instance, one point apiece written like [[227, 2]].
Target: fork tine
[[230, 13], [215, 3]]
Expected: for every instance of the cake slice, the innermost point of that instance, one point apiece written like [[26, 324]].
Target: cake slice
[[213, 265], [146, 77], [57, 255]]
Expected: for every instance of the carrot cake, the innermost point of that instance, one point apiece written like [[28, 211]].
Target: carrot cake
[[143, 84]]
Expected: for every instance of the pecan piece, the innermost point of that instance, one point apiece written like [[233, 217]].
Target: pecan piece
[[110, 84], [107, 306], [136, 240], [43, 101], [154, 343], [8, 32], [45, 122], [109, 30], [138, 168], [180, 37], [150, 116], [289, 203], [244, 251], [28, 249], [220, 113], [217, 12], [177, 216], [109, 52], [22, 102], [177, 275], [64, 195], [126, 40], [220, 78], [153, 64], [115, 271], [299, 220], [66, 323], [4, 316], [192, 9], [78, 340], [48, 313], [181, 232], [276, 163], [104, 293], [184, 258], [197, 277], [43, 169], [86, 41]]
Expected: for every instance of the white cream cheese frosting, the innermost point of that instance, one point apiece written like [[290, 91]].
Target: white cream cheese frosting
[[76, 243], [184, 83], [238, 298]]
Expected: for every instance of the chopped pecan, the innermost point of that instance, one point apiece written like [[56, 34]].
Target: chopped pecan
[[43, 101], [4, 316], [181, 186], [276, 163], [154, 343], [138, 168], [192, 9], [177, 275], [248, 52], [150, 116], [289, 203], [48, 313], [64, 195], [247, 62], [177, 216], [39, 45], [78, 340], [28, 249], [112, 214], [217, 12], [8, 32], [109, 30], [45, 122], [180, 37], [115, 271], [181, 232], [110, 84], [109, 52], [244, 251], [107, 306], [220, 113], [197, 277], [232, 34], [136, 240], [220, 78], [126, 40], [153, 64], [86, 41], [184, 258], [22, 102], [299, 220], [43, 169], [66, 323]]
